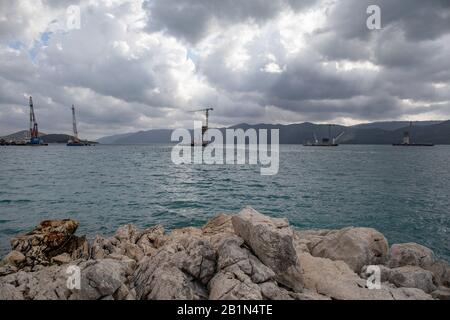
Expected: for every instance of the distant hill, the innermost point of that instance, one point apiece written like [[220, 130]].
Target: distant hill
[[141, 137], [19, 136], [393, 125], [113, 138], [47, 138], [437, 132]]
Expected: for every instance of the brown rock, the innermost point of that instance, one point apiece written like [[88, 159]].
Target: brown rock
[[355, 246]]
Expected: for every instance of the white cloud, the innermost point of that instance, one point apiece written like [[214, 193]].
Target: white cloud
[[136, 65]]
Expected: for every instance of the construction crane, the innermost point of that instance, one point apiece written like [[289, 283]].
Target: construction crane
[[74, 124], [335, 140], [34, 132], [75, 141], [205, 127]]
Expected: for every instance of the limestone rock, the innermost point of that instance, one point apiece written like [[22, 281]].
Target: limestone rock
[[61, 259], [409, 294], [128, 241], [241, 275], [271, 291], [441, 272], [98, 279], [14, 258], [412, 277], [355, 246], [102, 279], [178, 270], [7, 269], [441, 293], [150, 238], [271, 240], [306, 240], [9, 292], [219, 224], [233, 284], [411, 254]]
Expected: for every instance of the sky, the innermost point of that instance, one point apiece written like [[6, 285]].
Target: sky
[[139, 65]]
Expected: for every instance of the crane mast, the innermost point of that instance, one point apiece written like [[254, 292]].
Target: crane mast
[[74, 124], [205, 127], [33, 124]]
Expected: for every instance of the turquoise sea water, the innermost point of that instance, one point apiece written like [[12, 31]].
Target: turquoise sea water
[[402, 192]]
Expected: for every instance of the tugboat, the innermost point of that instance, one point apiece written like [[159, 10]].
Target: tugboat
[[407, 140]]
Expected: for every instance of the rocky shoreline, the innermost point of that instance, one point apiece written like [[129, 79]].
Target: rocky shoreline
[[242, 256]]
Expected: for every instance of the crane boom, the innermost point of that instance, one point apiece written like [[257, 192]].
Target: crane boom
[[74, 124], [33, 124]]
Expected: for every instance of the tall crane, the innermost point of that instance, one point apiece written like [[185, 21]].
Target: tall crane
[[74, 124], [34, 132], [205, 127]]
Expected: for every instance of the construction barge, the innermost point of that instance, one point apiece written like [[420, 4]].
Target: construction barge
[[406, 142], [75, 141], [325, 142]]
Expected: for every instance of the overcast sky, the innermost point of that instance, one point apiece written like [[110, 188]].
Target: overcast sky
[[138, 65]]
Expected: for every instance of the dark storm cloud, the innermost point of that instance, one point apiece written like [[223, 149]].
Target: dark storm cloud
[[418, 19], [190, 19], [136, 65]]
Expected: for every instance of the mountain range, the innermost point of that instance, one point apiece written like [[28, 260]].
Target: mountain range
[[437, 132]]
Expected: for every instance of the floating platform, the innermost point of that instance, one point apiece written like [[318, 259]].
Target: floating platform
[[78, 144], [320, 145], [413, 144]]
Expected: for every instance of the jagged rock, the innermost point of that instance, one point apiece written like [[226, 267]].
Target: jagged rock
[[271, 240], [7, 269], [409, 294], [411, 254], [336, 280], [98, 279], [407, 276], [149, 239], [50, 238], [219, 224], [441, 273], [233, 284], [306, 240], [127, 233], [355, 246], [239, 272], [331, 278], [271, 291], [61, 259], [178, 270], [14, 258], [9, 292], [128, 241], [247, 256], [102, 279], [441, 293], [231, 252], [412, 277]]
